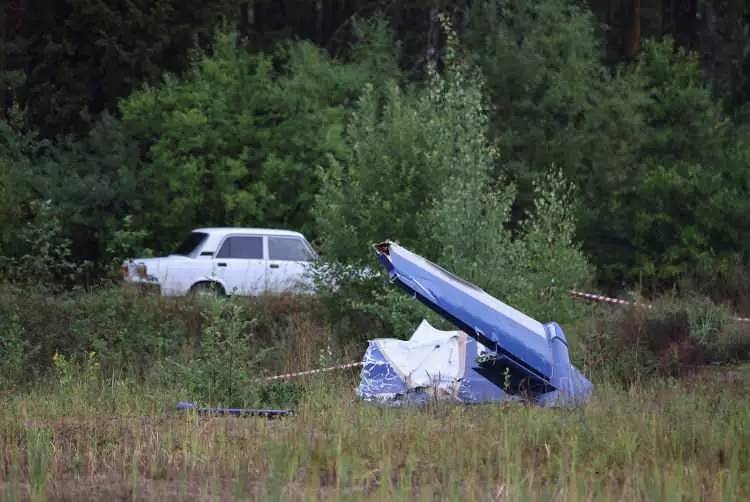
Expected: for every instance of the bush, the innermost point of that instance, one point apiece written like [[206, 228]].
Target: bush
[[183, 344], [14, 351], [226, 369], [128, 330], [46, 260], [678, 335]]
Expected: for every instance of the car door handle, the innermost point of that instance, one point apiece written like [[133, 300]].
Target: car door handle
[[274, 265], [222, 264]]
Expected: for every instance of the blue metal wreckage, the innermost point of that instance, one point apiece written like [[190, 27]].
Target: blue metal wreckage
[[506, 356]]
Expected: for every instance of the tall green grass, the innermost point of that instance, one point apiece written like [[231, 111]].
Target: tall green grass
[[668, 439], [89, 383]]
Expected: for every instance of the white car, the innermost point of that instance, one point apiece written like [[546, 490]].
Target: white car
[[239, 261]]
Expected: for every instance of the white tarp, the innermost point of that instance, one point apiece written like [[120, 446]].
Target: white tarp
[[432, 363], [430, 358]]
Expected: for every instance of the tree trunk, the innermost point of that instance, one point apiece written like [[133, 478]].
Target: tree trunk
[[632, 45], [684, 16]]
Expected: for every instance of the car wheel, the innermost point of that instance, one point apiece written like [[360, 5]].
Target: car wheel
[[207, 290]]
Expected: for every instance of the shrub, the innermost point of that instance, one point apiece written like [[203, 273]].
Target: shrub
[[14, 350], [127, 329], [225, 370], [46, 259], [678, 335], [182, 344]]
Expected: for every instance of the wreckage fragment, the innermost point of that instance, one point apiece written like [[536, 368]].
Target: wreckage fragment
[[517, 356], [432, 364], [238, 412]]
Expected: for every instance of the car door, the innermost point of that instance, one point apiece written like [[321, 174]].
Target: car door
[[240, 264], [289, 258]]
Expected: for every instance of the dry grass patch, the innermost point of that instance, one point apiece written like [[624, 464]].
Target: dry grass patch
[[668, 438]]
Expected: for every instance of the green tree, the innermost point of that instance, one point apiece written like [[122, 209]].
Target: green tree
[[544, 78], [94, 184], [17, 153], [237, 141], [88, 186], [68, 61], [553, 102], [683, 210], [647, 146], [383, 184], [420, 171]]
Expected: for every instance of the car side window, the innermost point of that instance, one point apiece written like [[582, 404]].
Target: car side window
[[288, 249], [248, 248]]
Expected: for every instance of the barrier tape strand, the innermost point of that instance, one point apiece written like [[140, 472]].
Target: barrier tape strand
[[616, 301], [296, 374]]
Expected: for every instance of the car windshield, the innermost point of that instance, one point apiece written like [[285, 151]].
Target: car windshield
[[191, 243]]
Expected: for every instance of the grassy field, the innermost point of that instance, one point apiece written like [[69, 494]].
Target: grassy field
[[89, 384], [115, 440]]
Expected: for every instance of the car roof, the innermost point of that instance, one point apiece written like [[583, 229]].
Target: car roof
[[220, 231]]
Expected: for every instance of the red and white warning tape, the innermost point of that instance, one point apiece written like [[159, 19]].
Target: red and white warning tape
[[605, 299], [287, 376], [617, 301]]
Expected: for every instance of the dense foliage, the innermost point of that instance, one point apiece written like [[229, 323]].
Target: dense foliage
[[661, 168], [238, 141], [213, 351], [250, 127], [420, 172], [66, 62]]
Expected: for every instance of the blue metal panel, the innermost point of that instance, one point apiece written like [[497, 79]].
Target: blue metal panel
[[572, 387], [524, 363], [378, 378], [240, 412]]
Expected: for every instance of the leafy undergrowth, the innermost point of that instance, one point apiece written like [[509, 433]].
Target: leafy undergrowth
[[686, 439], [180, 340], [677, 336]]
